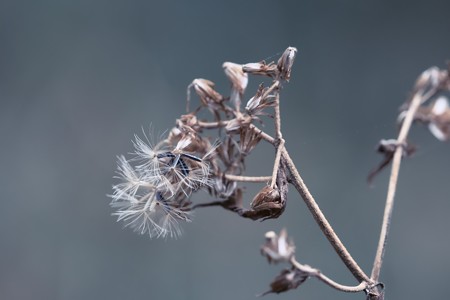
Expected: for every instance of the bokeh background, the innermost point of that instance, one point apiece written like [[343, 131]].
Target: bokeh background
[[79, 78]]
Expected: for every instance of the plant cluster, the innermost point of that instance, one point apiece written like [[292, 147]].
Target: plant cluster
[[157, 182]]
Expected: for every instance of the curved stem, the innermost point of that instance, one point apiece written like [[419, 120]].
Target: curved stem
[[316, 273], [417, 100], [323, 223]]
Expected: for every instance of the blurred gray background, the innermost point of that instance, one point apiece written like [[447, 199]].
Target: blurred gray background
[[79, 78]]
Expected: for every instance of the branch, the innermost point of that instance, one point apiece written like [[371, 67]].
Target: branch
[[318, 274], [248, 178], [296, 180], [415, 103]]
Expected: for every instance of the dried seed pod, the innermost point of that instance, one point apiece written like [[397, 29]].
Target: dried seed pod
[[249, 138], [256, 105], [205, 90], [267, 204], [239, 81], [288, 279], [439, 124], [285, 63], [238, 124], [278, 248]]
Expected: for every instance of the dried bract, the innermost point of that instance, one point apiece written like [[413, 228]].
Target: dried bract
[[278, 248], [285, 63], [288, 279]]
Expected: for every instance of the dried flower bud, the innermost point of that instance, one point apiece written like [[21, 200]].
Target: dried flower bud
[[239, 81], [257, 104], [285, 63], [278, 248], [288, 279], [427, 80], [205, 90], [267, 204], [235, 125], [439, 124], [249, 138], [261, 68]]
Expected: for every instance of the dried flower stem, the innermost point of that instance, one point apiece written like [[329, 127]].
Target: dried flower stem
[[296, 180], [318, 215], [417, 100], [248, 178], [279, 137], [318, 274]]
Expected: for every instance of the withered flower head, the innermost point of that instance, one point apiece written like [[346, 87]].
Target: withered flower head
[[288, 279], [436, 116], [239, 81], [238, 124], [205, 90], [238, 78], [285, 63], [256, 105], [278, 248], [249, 138], [267, 204], [429, 78], [261, 68], [439, 124]]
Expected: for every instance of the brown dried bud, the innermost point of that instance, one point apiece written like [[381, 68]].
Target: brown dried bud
[[285, 63], [287, 280], [205, 90], [238, 78], [261, 68], [235, 125], [239, 81], [278, 248], [257, 104], [248, 140], [267, 204]]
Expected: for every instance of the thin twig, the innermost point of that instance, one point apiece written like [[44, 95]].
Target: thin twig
[[248, 178], [318, 216], [278, 136], [212, 125], [325, 279], [276, 164], [417, 100], [323, 223]]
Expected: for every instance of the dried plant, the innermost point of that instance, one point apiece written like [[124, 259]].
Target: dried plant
[[156, 184]]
